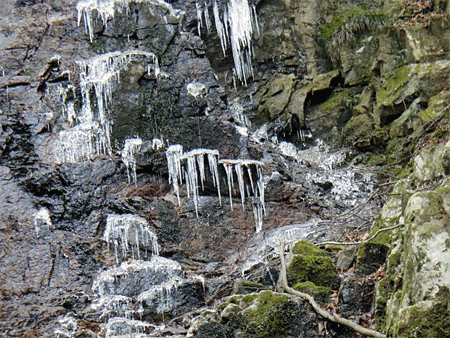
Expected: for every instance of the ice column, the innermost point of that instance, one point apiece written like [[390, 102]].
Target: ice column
[[128, 157]]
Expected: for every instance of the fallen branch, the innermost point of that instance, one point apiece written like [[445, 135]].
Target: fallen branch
[[331, 317], [359, 242]]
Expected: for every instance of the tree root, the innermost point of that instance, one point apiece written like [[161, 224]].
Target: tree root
[[331, 317]]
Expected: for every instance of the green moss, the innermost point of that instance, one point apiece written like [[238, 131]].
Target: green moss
[[271, 316], [233, 299], [395, 83], [308, 249], [371, 256], [320, 293], [311, 264], [348, 24], [359, 128], [419, 321], [339, 100]]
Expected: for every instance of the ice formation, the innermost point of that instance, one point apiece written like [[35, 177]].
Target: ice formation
[[126, 233], [89, 135], [42, 221], [67, 327], [196, 89], [128, 157], [156, 281], [119, 327], [106, 8], [189, 168], [243, 169], [235, 27], [195, 168]]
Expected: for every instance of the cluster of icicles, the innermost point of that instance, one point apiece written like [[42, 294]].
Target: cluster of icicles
[[189, 167], [107, 8], [235, 25], [89, 132], [157, 279]]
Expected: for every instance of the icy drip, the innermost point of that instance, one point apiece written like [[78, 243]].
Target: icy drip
[[195, 168], [106, 9], [235, 27], [131, 146], [257, 191], [126, 233], [42, 221]]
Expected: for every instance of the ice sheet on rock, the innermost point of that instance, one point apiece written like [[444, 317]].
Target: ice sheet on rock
[[153, 282], [131, 146], [126, 328], [90, 132], [42, 221], [127, 233], [266, 244], [67, 327], [106, 9], [196, 89]]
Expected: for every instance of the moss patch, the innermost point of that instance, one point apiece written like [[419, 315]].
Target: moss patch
[[417, 321], [320, 293], [272, 316], [312, 264]]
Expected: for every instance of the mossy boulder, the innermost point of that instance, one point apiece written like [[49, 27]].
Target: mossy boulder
[[266, 314], [359, 131], [311, 264]]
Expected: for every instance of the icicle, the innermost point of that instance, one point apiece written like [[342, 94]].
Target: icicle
[[221, 31], [207, 18], [240, 176], [173, 155], [229, 171], [212, 161], [258, 193], [129, 150]]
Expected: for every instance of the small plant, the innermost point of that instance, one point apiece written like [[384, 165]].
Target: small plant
[[345, 28]]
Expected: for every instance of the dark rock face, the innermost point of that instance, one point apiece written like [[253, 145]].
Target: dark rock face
[[380, 93]]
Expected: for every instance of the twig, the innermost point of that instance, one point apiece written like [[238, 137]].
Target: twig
[[359, 242], [331, 317]]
